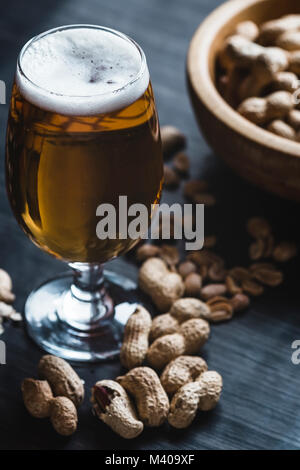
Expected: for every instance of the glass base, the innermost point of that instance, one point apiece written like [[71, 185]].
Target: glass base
[[46, 313]]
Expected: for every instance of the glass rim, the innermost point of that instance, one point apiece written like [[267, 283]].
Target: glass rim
[[83, 26]]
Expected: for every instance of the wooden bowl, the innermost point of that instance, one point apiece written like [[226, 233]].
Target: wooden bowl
[[271, 162]]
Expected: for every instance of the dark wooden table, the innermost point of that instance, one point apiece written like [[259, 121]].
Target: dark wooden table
[[260, 404]]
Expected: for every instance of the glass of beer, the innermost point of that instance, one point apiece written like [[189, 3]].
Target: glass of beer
[[82, 131]]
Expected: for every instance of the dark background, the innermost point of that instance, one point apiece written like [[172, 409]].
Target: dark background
[[260, 404]]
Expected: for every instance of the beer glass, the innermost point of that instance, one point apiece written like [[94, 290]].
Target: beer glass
[[82, 131]]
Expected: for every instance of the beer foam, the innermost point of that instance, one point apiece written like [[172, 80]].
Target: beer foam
[[82, 71]]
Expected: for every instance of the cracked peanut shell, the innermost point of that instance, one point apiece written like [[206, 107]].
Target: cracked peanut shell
[[113, 406]]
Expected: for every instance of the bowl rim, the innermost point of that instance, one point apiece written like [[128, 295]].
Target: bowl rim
[[204, 86]]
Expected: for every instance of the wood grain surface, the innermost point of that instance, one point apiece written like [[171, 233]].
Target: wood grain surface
[[260, 404]]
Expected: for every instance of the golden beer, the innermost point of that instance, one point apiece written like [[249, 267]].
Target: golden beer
[[61, 168]]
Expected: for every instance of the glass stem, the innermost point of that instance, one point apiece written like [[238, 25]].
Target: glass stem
[[87, 302], [88, 281]]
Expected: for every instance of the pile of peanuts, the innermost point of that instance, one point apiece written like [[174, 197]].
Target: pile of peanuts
[[259, 74], [142, 397], [166, 380], [167, 343], [137, 399]]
